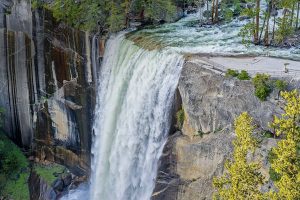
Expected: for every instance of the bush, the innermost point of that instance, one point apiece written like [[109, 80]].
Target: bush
[[273, 175], [13, 177], [262, 86], [268, 134], [12, 159], [231, 73], [180, 118], [281, 85], [243, 75]]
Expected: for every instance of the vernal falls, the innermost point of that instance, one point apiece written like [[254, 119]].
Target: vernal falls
[[132, 120]]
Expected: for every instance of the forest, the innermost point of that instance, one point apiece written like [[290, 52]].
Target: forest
[[270, 24]]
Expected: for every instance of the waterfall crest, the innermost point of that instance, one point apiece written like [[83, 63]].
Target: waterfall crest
[[132, 119]]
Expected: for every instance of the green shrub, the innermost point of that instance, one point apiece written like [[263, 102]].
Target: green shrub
[[48, 172], [17, 189], [13, 171], [268, 134], [273, 175], [13, 162], [12, 159], [232, 73], [180, 118], [243, 75], [281, 85], [262, 86]]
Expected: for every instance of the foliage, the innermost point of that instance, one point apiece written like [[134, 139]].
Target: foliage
[[268, 134], [243, 75], [231, 73], [226, 11], [12, 159], [283, 26], [48, 173], [246, 33], [154, 9], [17, 189], [242, 179], [180, 118], [273, 175], [13, 171], [286, 156], [281, 85], [262, 85], [284, 29], [108, 15]]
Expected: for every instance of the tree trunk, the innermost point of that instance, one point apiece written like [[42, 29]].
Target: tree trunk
[[212, 10], [292, 17], [266, 37], [216, 11], [257, 22], [207, 8], [298, 9], [262, 28]]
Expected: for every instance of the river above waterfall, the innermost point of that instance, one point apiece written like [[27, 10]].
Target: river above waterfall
[[187, 36]]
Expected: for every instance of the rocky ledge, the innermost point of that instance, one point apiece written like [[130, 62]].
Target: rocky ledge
[[197, 153]]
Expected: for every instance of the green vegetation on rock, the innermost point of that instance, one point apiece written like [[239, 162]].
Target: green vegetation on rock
[[244, 75], [262, 85], [232, 73], [281, 85], [14, 171], [180, 118], [49, 172]]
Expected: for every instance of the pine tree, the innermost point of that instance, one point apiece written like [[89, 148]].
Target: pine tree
[[286, 162], [242, 179]]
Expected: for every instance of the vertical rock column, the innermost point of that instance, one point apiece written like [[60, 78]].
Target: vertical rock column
[[16, 78]]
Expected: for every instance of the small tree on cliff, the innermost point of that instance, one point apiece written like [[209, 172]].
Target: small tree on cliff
[[286, 162], [242, 179]]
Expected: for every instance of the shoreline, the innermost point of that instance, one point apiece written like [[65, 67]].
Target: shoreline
[[252, 64]]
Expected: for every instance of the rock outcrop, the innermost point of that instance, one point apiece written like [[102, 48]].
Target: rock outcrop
[[48, 75], [39, 188], [194, 156]]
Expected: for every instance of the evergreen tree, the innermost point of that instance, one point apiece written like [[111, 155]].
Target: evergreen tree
[[286, 162], [242, 179]]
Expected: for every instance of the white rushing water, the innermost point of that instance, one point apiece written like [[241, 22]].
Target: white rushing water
[[187, 36], [132, 120]]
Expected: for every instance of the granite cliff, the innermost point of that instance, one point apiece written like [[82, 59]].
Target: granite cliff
[[48, 76], [197, 153]]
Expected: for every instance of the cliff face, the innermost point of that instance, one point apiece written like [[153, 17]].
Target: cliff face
[[211, 103], [47, 74]]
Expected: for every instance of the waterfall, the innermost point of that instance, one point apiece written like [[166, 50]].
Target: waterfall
[[132, 119]]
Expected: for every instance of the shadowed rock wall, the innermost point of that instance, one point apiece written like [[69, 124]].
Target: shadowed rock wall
[[47, 81]]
